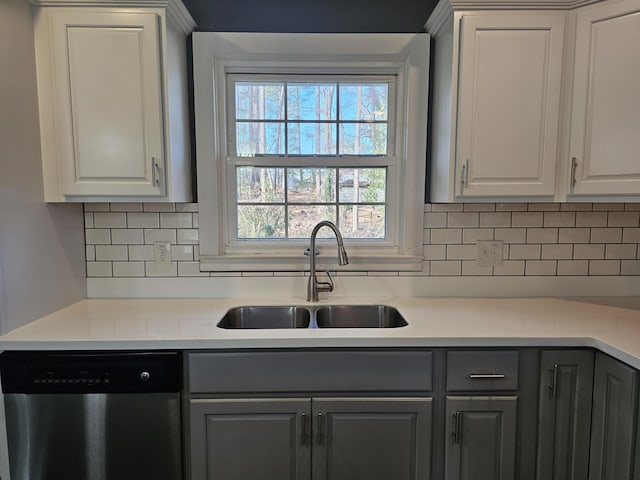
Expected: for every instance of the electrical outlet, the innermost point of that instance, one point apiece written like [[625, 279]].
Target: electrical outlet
[[490, 253], [162, 254]]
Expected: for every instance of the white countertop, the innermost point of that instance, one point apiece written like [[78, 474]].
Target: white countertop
[[611, 324]]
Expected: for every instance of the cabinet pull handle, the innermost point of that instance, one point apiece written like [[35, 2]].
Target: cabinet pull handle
[[486, 376], [154, 172], [457, 418], [464, 174], [320, 428], [304, 428], [553, 386], [574, 167]]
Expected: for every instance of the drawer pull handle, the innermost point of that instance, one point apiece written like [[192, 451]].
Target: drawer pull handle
[[320, 425], [486, 376], [553, 386], [305, 430]]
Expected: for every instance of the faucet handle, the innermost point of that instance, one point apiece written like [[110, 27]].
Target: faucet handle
[[325, 286], [307, 252]]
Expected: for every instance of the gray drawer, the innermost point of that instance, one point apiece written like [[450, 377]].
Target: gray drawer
[[482, 371], [310, 371]]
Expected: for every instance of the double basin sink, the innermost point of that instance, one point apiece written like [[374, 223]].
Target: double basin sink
[[325, 316]]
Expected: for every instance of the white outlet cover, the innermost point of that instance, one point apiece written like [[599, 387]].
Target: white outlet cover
[[490, 253], [162, 254]]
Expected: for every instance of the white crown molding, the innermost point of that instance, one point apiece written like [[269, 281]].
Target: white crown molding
[[439, 17], [181, 16], [509, 5]]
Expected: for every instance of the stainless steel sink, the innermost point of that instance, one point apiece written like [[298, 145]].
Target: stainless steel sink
[[266, 317], [359, 316], [330, 316]]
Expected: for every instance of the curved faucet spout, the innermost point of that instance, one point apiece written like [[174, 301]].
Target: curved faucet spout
[[313, 287]]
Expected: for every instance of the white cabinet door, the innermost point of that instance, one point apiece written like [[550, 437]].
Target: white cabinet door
[[108, 96], [508, 104], [605, 127]]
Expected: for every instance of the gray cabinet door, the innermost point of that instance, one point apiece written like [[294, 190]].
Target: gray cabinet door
[[566, 385], [372, 438], [481, 438], [613, 421], [250, 439]]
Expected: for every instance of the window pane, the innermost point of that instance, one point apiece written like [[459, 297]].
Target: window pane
[[260, 222], [302, 219], [311, 185], [365, 102], [264, 138], [363, 185], [362, 221], [312, 138], [259, 101], [311, 101], [363, 139], [260, 185]]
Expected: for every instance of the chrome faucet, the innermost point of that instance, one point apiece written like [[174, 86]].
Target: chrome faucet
[[314, 286]]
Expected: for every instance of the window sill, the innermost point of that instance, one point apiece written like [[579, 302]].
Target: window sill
[[297, 263]]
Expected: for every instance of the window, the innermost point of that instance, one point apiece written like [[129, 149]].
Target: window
[[333, 129]]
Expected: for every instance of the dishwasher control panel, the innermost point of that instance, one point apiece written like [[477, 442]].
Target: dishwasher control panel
[[101, 372]]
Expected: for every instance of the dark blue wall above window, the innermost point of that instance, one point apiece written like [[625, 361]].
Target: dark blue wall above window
[[311, 16]]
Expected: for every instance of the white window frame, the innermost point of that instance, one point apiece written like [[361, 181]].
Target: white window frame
[[405, 56]]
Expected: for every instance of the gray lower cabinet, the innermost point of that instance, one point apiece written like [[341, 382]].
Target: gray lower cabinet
[[319, 439], [566, 385], [615, 391], [481, 438]]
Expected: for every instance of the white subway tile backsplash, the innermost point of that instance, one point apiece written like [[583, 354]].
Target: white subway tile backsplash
[[624, 219], [511, 235], [446, 236], [109, 220], [573, 267], [462, 252], [159, 207], [606, 235], [99, 269], [609, 207], [159, 235], [434, 252], [630, 267], [140, 252], [435, 220], [468, 219], [514, 268], [128, 269], [471, 268], [97, 236], [619, 251], [527, 219], [557, 252], [540, 267], [188, 236], [451, 268], [111, 252], [604, 267], [588, 252], [591, 219], [161, 271], [472, 235], [525, 252], [574, 235], [128, 236], [542, 235], [540, 239], [176, 220], [559, 219], [495, 219], [143, 220]]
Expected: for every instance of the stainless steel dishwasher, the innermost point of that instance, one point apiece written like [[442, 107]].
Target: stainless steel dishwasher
[[93, 416]]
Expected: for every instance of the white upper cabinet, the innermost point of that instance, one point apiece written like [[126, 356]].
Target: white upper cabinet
[[113, 103], [605, 120], [509, 79], [535, 104]]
